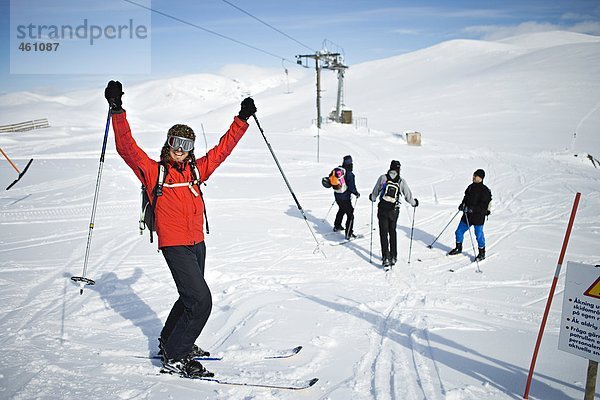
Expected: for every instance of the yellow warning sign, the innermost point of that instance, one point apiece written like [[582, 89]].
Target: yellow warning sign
[[594, 290]]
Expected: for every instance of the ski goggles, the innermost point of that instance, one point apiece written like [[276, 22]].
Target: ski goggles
[[176, 142]]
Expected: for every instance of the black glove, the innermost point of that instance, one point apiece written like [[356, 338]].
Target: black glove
[[248, 109], [371, 197], [466, 209], [357, 195], [113, 93], [416, 202], [461, 206], [488, 212]]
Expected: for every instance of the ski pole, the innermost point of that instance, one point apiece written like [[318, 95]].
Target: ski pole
[[16, 169], [205, 141], [412, 228], [326, 215], [472, 243], [288, 185], [82, 279], [371, 243], [448, 224]]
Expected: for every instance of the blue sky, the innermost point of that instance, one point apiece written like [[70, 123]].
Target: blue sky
[[363, 30]]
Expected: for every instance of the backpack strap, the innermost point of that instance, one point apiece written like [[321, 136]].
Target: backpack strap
[[158, 190], [197, 182], [190, 185]]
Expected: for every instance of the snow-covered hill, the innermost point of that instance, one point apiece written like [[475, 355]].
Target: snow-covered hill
[[420, 331]]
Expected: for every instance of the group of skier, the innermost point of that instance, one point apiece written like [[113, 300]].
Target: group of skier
[[172, 187], [388, 190]]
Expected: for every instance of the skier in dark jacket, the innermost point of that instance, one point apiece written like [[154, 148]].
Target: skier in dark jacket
[[475, 207], [388, 189], [343, 200], [179, 223]]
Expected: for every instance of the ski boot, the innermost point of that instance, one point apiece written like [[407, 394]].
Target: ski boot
[[481, 255], [187, 367], [196, 351], [456, 250], [387, 263]]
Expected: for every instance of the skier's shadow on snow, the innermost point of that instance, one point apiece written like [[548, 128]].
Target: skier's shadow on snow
[[424, 238], [119, 295], [507, 377], [325, 230]]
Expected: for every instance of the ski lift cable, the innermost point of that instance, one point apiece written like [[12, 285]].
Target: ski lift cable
[[340, 48], [267, 24], [206, 30]]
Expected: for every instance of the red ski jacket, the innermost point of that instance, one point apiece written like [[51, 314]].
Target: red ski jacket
[[179, 213]]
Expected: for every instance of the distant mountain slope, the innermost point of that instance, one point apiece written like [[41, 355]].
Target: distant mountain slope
[[538, 86]]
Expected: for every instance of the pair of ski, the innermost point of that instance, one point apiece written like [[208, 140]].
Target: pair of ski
[[346, 241], [471, 262], [259, 383], [461, 266]]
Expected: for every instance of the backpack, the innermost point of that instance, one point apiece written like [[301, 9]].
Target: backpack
[[391, 192], [337, 181], [147, 219]]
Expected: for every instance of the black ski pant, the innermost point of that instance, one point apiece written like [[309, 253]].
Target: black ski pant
[[347, 210], [192, 309], [388, 217]]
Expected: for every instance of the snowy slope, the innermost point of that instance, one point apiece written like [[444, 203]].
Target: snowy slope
[[418, 332]]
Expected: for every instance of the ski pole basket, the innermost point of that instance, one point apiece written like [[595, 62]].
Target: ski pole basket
[[82, 282]]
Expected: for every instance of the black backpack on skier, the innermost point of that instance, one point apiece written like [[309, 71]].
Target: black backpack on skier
[[391, 192]]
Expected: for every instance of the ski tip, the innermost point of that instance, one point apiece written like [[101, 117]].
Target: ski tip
[[80, 292], [312, 381], [297, 349]]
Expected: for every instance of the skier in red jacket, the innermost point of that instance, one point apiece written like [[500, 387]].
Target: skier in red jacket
[[179, 220]]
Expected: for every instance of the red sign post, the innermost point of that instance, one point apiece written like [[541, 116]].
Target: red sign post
[[551, 295]]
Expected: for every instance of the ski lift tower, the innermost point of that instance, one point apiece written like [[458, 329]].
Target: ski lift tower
[[335, 62], [332, 61]]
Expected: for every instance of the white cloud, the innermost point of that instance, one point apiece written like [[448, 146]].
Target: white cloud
[[589, 27], [407, 32], [496, 32]]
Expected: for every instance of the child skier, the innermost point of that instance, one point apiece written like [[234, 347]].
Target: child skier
[[475, 207]]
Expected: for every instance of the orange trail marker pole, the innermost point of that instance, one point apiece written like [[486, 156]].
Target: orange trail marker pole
[[16, 169], [551, 295]]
